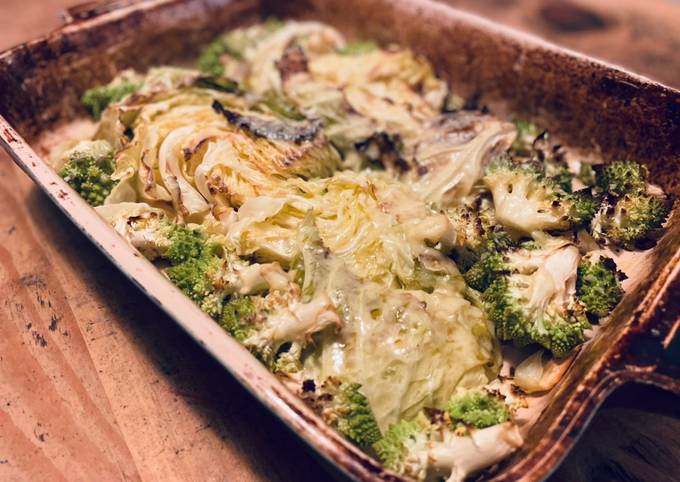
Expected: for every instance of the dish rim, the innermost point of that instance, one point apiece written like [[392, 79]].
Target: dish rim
[[601, 378]]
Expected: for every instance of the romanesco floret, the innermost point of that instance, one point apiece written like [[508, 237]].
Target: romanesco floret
[[184, 244], [622, 177], [481, 274], [535, 302], [478, 409], [633, 212], [523, 323], [526, 201], [88, 170], [97, 99], [598, 284], [195, 278], [584, 207], [237, 316], [631, 219], [427, 448], [476, 232], [196, 268], [343, 406], [394, 446], [355, 417], [158, 237]]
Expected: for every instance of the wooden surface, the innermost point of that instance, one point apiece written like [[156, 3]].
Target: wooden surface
[[97, 384]]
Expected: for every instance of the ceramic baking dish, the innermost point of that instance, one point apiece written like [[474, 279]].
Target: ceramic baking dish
[[592, 106]]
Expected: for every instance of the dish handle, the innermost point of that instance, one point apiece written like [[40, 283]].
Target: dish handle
[[652, 354]]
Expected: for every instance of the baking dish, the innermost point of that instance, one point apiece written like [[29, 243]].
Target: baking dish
[[591, 105]]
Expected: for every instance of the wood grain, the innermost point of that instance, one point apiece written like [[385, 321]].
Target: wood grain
[[97, 384]]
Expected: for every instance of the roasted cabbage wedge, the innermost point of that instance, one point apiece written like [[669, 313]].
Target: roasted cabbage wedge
[[330, 207]]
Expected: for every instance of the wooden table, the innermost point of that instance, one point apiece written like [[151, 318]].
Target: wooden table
[[97, 384]]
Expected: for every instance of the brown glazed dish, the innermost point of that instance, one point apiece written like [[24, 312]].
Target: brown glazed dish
[[592, 106]]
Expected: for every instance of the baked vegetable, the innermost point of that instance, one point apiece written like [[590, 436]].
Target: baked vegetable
[[372, 238]]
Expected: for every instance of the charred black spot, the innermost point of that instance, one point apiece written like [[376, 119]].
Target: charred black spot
[[402, 165], [383, 150], [308, 385], [271, 129], [434, 415]]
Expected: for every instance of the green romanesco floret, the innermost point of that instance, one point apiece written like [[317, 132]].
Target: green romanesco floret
[[184, 244], [97, 99], [584, 207], [355, 417], [535, 302], [237, 316], [481, 274], [476, 232], [598, 284], [622, 177], [428, 449], [88, 169], [517, 320], [156, 236], [526, 201], [195, 278], [343, 406], [394, 446], [632, 219], [634, 212], [478, 409]]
